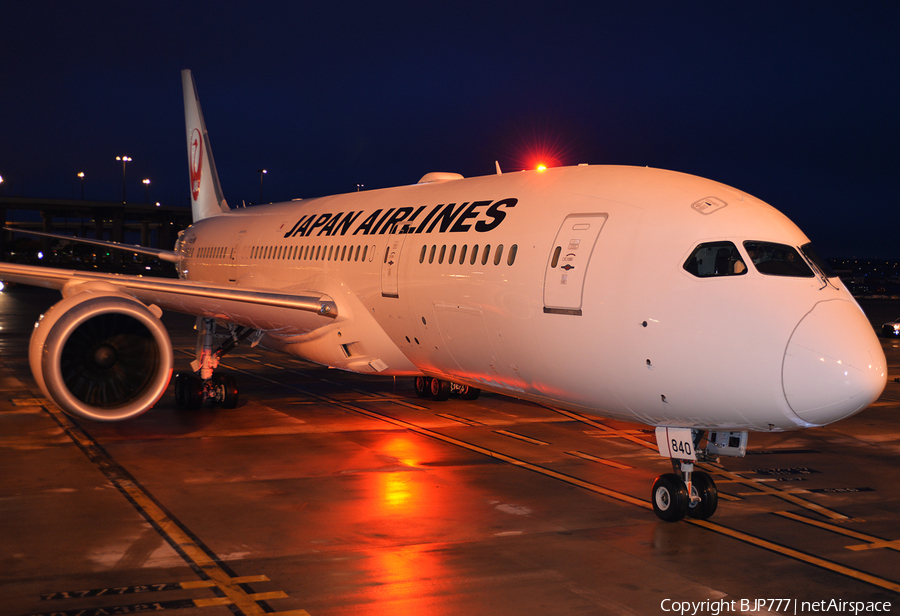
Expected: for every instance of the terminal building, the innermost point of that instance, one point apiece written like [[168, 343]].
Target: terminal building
[[150, 225]]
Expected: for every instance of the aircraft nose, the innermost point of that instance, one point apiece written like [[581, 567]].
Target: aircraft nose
[[834, 365]]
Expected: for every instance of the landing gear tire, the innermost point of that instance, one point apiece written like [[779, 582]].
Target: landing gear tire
[[440, 390], [188, 391], [423, 386], [669, 497], [703, 486], [226, 390], [468, 393]]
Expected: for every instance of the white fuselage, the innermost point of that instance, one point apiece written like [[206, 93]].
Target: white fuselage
[[614, 324]]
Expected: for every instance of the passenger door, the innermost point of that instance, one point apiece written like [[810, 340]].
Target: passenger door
[[390, 268], [235, 255], [568, 262]]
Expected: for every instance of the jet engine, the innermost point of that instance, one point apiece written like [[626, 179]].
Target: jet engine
[[101, 355]]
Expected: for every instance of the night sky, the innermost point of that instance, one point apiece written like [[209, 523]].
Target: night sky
[[797, 103]]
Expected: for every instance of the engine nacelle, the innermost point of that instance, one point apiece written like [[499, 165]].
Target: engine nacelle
[[101, 355]]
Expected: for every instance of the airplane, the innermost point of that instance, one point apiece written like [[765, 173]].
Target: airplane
[[631, 293]]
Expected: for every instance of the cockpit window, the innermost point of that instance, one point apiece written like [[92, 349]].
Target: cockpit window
[[810, 253], [777, 260], [715, 259]]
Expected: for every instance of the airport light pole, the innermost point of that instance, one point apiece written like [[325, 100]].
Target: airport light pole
[[81, 177], [261, 173], [147, 190], [124, 159]]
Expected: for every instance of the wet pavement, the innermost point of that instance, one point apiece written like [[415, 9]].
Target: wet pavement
[[331, 493]]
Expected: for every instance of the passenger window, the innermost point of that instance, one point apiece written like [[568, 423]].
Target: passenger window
[[498, 256], [462, 254], [486, 254], [422, 254], [474, 255], [512, 254], [777, 260], [715, 259]]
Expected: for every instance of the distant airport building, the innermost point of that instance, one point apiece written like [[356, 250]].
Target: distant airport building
[[127, 223]]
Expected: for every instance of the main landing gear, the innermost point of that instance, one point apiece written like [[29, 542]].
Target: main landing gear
[[686, 491], [192, 389], [440, 390]]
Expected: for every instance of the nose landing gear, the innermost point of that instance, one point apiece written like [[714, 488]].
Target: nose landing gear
[[686, 491], [672, 498]]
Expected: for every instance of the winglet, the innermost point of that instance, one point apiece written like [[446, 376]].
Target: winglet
[[206, 192], [497, 163]]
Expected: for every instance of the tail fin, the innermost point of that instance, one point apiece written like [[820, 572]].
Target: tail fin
[[206, 192]]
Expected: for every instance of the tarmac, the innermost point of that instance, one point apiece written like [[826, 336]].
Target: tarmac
[[329, 493]]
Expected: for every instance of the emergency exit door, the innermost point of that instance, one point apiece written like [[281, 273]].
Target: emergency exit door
[[568, 263]]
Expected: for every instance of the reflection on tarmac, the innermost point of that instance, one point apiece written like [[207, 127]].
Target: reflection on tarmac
[[332, 493]]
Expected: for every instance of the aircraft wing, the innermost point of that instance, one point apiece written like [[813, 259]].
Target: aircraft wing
[[282, 310]]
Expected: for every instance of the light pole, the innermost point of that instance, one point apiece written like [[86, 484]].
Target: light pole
[[147, 190], [81, 177], [124, 159], [261, 173]]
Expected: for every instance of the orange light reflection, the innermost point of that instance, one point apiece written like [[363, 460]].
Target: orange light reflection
[[400, 491], [403, 582], [400, 578]]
